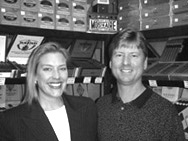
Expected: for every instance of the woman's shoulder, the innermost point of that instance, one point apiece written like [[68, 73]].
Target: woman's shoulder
[[79, 99]]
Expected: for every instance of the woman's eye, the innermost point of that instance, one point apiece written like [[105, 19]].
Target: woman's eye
[[118, 55]]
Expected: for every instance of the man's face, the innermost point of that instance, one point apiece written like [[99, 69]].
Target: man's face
[[127, 64]]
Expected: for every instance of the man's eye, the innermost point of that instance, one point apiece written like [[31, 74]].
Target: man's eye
[[47, 69], [134, 55], [63, 68]]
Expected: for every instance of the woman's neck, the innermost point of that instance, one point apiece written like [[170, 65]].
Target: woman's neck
[[49, 105]]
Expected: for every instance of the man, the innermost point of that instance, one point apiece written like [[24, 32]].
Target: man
[[133, 112]]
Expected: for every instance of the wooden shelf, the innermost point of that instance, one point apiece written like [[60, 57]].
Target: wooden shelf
[[166, 32], [169, 83], [7, 29], [71, 80]]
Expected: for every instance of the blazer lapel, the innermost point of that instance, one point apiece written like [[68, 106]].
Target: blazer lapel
[[76, 118], [38, 123]]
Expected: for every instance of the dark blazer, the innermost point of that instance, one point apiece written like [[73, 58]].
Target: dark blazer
[[29, 123]]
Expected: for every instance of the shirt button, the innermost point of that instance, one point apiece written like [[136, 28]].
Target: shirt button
[[122, 108]]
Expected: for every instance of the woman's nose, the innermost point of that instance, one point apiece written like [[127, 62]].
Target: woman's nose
[[56, 74]]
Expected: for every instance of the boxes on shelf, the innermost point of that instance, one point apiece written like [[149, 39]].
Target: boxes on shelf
[[146, 3], [180, 19], [10, 16], [155, 11], [29, 18], [172, 93], [129, 22], [81, 53], [100, 6], [155, 23], [3, 44], [179, 6], [10, 3], [124, 6], [79, 23], [10, 95], [20, 50], [106, 23], [63, 22], [63, 7], [129, 19], [128, 4], [181, 73], [46, 6], [79, 8], [2, 96], [30, 5], [46, 20]]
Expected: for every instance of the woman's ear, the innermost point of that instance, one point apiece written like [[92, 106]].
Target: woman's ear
[[110, 64], [146, 63]]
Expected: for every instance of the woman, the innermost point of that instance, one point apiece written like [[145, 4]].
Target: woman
[[47, 113]]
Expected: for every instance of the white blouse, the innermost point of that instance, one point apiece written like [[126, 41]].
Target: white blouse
[[59, 121]]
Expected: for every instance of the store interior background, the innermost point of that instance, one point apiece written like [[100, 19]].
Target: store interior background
[[163, 22]]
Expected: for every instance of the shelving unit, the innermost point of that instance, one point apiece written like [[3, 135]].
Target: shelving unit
[[14, 30], [162, 34]]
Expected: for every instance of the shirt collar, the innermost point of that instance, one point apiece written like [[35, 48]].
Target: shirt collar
[[138, 102]]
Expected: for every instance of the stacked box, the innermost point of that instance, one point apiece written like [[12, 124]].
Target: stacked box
[[180, 19], [46, 20], [46, 6], [179, 6], [146, 3], [10, 4], [79, 8], [155, 11], [63, 22], [10, 16], [29, 18], [79, 23], [128, 14], [2, 96], [155, 23], [155, 14], [79, 16], [130, 19], [63, 18], [179, 12], [63, 7], [30, 5]]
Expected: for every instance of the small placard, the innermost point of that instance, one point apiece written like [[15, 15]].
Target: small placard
[[2, 81], [153, 83], [83, 49], [98, 80], [185, 84], [71, 80], [87, 80], [2, 48], [22, 47], [103, 25]]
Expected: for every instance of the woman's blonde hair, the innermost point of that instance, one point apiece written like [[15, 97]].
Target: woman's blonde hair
[[32, 65]]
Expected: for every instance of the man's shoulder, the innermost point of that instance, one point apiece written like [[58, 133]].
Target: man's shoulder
[[104, 99]]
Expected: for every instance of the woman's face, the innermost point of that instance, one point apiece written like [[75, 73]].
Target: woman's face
[[51, 76]]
